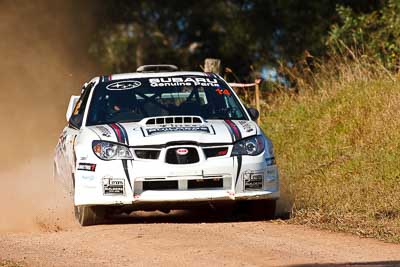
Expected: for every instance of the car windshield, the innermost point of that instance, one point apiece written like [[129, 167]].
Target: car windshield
[[131, 100]]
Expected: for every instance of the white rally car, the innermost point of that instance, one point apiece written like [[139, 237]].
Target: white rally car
[[161, 139]]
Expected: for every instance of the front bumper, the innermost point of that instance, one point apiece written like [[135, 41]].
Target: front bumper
[[232, 178], [201, 195]]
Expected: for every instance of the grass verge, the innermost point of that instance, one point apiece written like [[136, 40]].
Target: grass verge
[[337, 144]]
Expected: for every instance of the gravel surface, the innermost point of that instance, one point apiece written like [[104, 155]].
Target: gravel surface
[[186, 238]]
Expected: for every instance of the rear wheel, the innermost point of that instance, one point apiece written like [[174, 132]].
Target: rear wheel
[[89, 215]]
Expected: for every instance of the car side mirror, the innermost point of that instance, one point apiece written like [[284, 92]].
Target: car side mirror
[[71, 106], [254, 114]]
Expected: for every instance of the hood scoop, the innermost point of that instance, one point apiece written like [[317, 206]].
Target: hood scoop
[[172, 120]]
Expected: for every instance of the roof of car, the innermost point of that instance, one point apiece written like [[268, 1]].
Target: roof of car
[[122, 76]]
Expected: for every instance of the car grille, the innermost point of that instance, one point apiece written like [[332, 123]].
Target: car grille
[[160, 185], [172, 156], [205, 183], [182, 183]]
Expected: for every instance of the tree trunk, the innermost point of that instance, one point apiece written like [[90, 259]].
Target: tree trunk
[[140, 46], [139, 54]]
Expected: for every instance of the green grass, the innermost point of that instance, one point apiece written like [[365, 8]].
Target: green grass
[[338, 150]]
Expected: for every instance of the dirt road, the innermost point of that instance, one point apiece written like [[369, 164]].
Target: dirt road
[[45, 60], [185, 238]]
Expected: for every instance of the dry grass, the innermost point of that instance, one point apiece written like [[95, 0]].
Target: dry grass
[[337, 145], [7, 263]]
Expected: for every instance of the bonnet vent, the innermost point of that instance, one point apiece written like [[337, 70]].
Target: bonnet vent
[[174, 120]]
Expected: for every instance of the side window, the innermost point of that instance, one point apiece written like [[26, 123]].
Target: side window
[[79, 110], [234, 111]]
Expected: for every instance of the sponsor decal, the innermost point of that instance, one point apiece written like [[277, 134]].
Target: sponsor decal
[[223, 92], [124, 85], [247, 126], [252, 181], [113, 186], [104, 131], [182, 151], [88, 178], [202, 129], [87, 167], [183, 81]]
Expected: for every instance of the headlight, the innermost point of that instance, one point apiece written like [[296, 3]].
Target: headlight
[[109, 151], [250, 146]]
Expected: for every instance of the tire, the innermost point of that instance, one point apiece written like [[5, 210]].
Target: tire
[[261, 209], [89, 215]]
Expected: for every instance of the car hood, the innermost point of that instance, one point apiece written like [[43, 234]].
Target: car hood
[[211, 131]]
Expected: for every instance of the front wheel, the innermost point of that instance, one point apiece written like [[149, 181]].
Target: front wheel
[[89, 215]]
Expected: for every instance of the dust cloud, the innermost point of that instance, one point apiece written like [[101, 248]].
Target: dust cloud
[[44, 59]]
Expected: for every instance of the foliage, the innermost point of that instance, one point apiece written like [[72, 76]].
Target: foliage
[[375, 34], [183, 33], [336, 144], [245, 34]]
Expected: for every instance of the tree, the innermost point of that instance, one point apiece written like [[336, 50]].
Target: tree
[[376, 34], [245, 34]]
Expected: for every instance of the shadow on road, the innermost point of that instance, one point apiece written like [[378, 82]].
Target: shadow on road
[[353, 264], [184, 216]]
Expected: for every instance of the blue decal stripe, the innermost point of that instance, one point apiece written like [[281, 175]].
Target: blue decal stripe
[[124, 133]]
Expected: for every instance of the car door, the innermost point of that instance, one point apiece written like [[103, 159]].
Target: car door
[[71, 131]]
